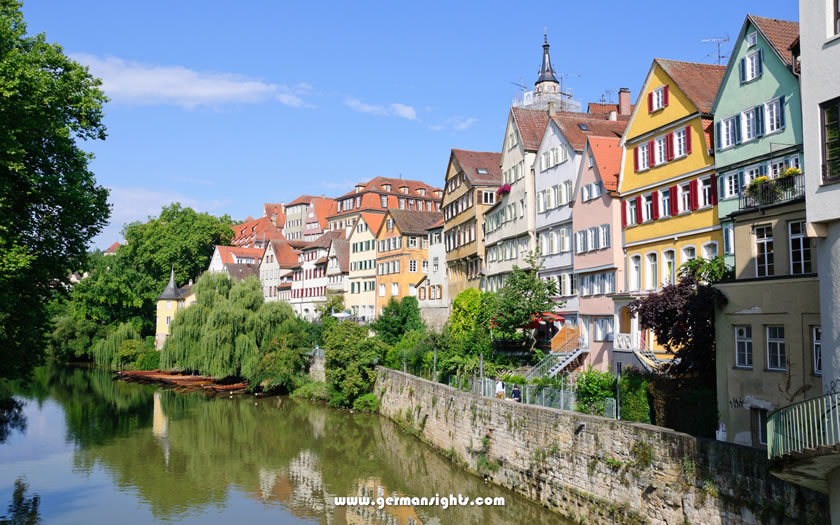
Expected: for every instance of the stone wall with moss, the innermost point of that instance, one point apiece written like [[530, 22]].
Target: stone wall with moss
[[596, 470]]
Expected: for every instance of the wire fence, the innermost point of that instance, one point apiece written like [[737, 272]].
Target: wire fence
[[561, 398]]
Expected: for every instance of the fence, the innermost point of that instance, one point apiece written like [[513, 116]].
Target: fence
[[807, 424], [561, 398]]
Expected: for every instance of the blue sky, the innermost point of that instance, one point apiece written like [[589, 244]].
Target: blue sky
[[223, 106]]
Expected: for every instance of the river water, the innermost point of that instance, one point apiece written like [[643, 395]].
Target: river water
[[95, 450]]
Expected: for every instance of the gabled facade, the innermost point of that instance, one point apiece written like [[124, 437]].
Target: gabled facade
[[402, 254], [276, 213], [276, 268], [309, 281], [360, 299], [255, 233], [668, 187], [223, 255], [304, 216], [510, 224], [599, 260], [433, 290], [472, 178], [758, 121], [338, 267]]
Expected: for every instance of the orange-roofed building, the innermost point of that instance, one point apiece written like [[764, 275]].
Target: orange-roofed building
[[316, 222], [379, 194], [360, 300], [112, 250], [279, 259], [402, 254], [306, 217], [224, 255], [275, 212], [309, 278], [255, 233]]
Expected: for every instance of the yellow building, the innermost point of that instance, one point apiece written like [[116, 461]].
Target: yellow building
[[402, 254], [169, 302], [472, 178], [668, 188]]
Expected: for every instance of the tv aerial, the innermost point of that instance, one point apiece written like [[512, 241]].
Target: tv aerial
[[719, 42]]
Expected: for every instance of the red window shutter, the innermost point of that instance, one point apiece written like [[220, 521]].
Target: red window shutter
[[650, 102], [665, 95], [675, 201], [714, 189], [669, 146], [636, 159], [651, 155], [623, 214], [688, 140], [655, 197], [638, 209], [694, 199]]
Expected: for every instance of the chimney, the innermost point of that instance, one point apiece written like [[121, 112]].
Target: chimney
[[613, 115], [551, 109], [623, 101]]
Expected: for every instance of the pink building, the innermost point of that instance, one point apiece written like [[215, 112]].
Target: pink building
[[598, 258]]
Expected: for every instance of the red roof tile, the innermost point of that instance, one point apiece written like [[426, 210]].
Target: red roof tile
[[303, 199], [324, 240], [377, 184], [780, 33], [531, 124], [373, 220], [342, 254], [277, 211], [247, 233], [112, 248], [413, 221], [285, 254], [570, 126], [472, 161], [607, 155], [699, 82], [709, 132], [323, 208], [227, 253]]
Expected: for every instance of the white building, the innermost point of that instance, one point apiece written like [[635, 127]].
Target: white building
[[433, 289], [223, 255], [309, 279], [276, 268]]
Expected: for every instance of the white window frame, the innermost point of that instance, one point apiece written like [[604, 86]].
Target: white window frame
[[658, 98], [727, 132], [680, 147], [647, 207], [749, 126], [779, 345], [803, 239], [669, 276], [706, 246], [773, 124], [661, 153], [769, 268], [728, 233], [751, 66], [684, 256], [634, 275], [644, 156], [752, 39], [816, 349], [746, 340], [684, 199], [651, 270]]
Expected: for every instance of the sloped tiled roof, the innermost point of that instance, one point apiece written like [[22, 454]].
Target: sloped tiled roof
[[323, 208], [377, 184], [531, 124], [303, 199], [277, 211], [239, 272], [607, 155], [256, 229], [324, 240], [342, 254], [709, 133], [227, 253], [780, 33], [373, 220], [570, 125], [472, 161], [413, 221], [285, 254], [699, 82], [112, 248], [438, 224]]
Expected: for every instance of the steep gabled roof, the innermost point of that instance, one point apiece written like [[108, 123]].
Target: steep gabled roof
[[779, 33], [607, 155], [377, 184], [227, 253], [699, 82], [246, 233], [373, 220], [570, 126], [412, 221], [488, 162], [342, 254], [112, 249], [285, 254], [323, 208], [324, 240], [303, 199], [531, 124]]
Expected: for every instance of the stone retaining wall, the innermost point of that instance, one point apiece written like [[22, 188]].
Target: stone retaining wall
[[597, 469]]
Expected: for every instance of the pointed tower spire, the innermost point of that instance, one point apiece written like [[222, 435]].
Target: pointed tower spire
[[171, 291], [546, 71]]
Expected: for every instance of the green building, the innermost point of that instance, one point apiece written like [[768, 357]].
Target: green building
[[757, 121]]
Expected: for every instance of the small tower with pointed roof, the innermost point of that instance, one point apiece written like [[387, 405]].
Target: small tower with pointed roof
[[546, 81], [169, 302]]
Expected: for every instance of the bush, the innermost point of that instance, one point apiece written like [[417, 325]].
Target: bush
[[634, 396], [350, 359], [366, 403], [593, 387], [150, 360], [312, 391], [107, 352], [515, 380]]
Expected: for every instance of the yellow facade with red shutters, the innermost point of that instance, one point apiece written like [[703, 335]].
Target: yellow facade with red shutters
[[668, 188]]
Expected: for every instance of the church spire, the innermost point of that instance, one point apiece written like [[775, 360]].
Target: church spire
[[171, 291], [546, 71]]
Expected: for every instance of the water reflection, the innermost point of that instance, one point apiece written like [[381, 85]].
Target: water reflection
[[22, 510], [183, 455]]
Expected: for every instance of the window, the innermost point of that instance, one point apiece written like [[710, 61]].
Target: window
[[658, 98], [727, 132], [592, 239], [763, 251], [643, 156], [585, 285], [679, 143], [665, 203], [758, 417], [685, 198], [635, 277], [609, 282], [605, 236], [689, 253], [412, 242], [489, 197], [776, 347], [831, 137], [412, 266], [669, 268], [728, 238], [800, 249], [395, 289], [540, 202], [425, 266], [710, 251], [591, 161], [752, 66], [651, 271], [661, 150], [816, 342], [750, 125], [773, 120], [730, 185], [631, 211], [648, 207], [168, 320], [565, 234], [435, 264], [751, 39]]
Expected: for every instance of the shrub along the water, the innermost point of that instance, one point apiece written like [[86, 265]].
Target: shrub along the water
[[350, 361], [107, 352]]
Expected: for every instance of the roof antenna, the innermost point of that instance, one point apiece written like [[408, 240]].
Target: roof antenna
[[719, 41]]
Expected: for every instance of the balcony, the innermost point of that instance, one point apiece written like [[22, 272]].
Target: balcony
[[773, 191], [831, 171], [803, 441], [629, 343]]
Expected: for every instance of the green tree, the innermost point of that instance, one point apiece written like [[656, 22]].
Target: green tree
[[523, 295], [397, 318], [350, 359], [465, 309], [50, 204]]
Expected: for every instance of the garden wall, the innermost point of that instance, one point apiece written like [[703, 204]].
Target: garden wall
[[598, 469]]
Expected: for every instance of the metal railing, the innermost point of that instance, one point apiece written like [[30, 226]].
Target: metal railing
[[774, 191], [542, 368], [805, 425]]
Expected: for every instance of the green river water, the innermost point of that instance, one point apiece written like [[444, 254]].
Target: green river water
[[95, 450]]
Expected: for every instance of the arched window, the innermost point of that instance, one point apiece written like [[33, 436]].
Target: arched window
[[651, 271], [669, 267], [635, 274], [710, 250], [689, 253]]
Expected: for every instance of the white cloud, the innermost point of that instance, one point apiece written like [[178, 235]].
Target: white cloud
[[131, 204], [393, 110], [455, 123], [133, 82]]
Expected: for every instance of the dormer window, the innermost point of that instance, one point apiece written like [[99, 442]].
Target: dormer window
[[421, 191], [404, 190], [386, 187], [481, 171]]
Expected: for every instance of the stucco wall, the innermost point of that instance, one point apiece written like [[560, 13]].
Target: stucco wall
[[596, 470]]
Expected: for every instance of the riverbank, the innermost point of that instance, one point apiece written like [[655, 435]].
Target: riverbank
[[597, 469]]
